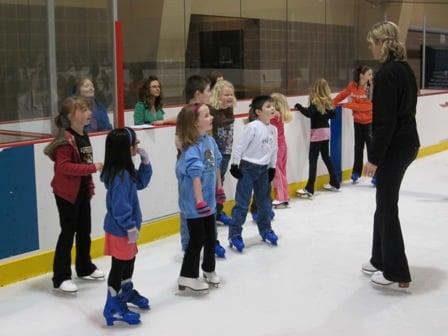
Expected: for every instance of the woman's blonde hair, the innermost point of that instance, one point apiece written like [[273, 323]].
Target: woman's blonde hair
[[386, 33], [215, 102], [62, 121], [320, 96], [281, 105], [187, 133]]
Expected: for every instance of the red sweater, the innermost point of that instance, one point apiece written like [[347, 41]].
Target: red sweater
[[359, 103], [68, 170]]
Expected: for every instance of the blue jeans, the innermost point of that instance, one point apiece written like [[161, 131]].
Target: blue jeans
[[223, 168], [255, 177]]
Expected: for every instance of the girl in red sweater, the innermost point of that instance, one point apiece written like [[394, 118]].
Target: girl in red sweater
[[73, 187], [358, 93]]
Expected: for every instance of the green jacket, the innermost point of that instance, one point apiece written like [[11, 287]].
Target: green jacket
[[142, 114]]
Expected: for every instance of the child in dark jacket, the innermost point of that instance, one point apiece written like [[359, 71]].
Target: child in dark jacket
[[123, 221], [73, 187], [319, 111]]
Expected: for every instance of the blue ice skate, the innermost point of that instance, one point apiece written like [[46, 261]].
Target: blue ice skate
[[116, 309], [374, 181], [133, 296], [237, 242], [220, 251], [355, 177], [271, 237], [223, 219]]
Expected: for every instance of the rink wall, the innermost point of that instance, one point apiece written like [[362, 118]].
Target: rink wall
[[28, 214]]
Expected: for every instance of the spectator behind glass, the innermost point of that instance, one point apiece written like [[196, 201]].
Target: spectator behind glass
[[100, 120], [148, 109]]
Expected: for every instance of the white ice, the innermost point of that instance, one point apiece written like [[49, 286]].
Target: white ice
[[310, 284]]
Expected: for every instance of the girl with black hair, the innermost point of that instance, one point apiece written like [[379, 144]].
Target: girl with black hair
[[122, 222]]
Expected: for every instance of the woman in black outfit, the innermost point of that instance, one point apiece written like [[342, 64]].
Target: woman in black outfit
[[395, 145]]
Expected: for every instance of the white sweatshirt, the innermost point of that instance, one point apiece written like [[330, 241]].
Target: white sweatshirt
[[258, 144]]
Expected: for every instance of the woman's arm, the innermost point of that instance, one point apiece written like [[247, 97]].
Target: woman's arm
[[139, 113]]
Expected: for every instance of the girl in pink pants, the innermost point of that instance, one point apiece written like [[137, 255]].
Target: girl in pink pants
[[282, 115]]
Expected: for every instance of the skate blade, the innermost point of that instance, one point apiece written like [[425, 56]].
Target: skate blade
[[59, 291], [394, 286], [281, 206], [187, 291]]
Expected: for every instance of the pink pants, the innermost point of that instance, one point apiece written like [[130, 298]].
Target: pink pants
[[280, 181]]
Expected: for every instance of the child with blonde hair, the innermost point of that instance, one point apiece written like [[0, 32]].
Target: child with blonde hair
[[319, 111], [222, 103], [199, 188], [282, 115], [73, 188]]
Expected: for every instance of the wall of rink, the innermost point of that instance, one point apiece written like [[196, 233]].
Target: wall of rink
[[29, 218]]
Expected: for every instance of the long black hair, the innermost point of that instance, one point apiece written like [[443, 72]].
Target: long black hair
[[362, 69], [118, 156]]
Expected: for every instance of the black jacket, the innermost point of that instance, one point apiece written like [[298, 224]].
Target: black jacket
[[318, 120], [394, 107]]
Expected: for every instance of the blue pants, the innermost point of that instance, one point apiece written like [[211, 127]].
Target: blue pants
[[255, 177]]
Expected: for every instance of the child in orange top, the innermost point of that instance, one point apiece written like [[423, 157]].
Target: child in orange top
[[358, 94]]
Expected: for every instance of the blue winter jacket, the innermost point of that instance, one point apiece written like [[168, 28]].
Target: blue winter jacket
[[123, 208], [199, 160], [100, 119]]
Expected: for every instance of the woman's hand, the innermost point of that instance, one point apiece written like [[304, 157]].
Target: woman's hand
[[370, 169]]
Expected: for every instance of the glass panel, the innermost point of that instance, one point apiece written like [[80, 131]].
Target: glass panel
[[154, 44], [84, 49], [24, 81]]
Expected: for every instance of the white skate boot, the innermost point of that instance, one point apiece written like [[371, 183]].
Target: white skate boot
[[280, 204], [304, 193], [196, 285], [212, 278]]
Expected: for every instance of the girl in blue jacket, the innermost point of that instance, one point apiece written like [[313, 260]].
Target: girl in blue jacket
[[197, 171], [122, 222]]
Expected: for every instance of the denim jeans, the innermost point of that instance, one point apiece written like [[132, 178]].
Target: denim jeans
[[224, 165], [255, 177]]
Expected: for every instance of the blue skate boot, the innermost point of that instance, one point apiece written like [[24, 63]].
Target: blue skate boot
[[116, 309], [223, 219], [374, 181], [255, 216], [237, 242], [132, 296], [271, 237], [355, 177], [220, 251]]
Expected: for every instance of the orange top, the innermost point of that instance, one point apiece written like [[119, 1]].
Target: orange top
[[359, 103]]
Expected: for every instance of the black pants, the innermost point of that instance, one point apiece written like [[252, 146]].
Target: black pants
[[363, 136], [388, 253], [120, 270], [202, 234], [321, 147], [74, 220]]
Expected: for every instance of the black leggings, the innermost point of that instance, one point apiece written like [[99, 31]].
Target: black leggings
[[202, 234], [119, 271], [321, 147]]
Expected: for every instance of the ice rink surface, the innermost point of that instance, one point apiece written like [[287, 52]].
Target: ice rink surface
[[310, 284]]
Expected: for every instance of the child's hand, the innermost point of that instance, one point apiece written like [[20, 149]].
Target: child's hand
[[203, 208], [298, 106], [144, 157], [220, 196], [98, 166], [271, 174], [133, 235], [235, 171]]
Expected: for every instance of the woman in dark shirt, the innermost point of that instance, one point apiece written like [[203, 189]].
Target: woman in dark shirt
[[395, 145]]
